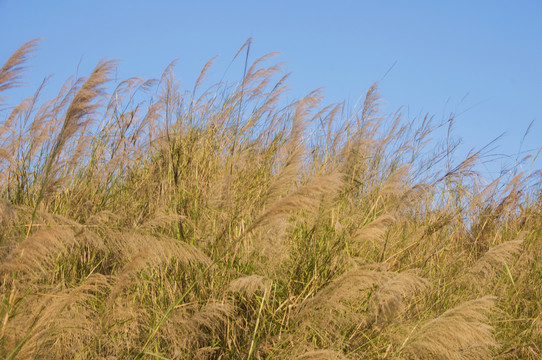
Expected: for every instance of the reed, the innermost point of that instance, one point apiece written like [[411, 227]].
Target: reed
[[139, 220]]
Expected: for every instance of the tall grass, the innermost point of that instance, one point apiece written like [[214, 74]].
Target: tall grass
[[232, 225]]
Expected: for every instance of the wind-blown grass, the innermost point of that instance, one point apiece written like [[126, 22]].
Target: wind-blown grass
[[233, 225]]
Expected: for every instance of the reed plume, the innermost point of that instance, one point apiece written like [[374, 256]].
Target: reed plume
[[459, 333], [485, 268], [11, 71]]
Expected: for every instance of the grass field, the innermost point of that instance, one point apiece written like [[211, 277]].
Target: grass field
[[221, 223]]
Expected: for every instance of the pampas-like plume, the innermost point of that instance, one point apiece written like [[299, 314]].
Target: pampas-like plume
[[81, 107], [286, 178], [77, 116], [59, 325], [487, 266], [390, 298], [104, 217], [18, 140], [36, 254], [160, 219], [189, 330], [13, 68], [459, 333], [121, 323], [370, 105], [373, 232], [141, 251], [396, 182], [332, 308], [249, 284], [304, 198], [294, 149], [156, 249]]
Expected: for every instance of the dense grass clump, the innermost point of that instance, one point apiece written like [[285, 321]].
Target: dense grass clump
[[154, 223]]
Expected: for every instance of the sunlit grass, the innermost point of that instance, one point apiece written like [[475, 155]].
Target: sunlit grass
[[231, 225]]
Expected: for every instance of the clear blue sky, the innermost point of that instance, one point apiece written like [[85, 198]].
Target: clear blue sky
[[481, 59]]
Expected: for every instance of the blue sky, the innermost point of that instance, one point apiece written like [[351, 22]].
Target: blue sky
[[479, 59]]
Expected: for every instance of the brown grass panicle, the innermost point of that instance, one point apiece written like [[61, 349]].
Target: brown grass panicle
[[497, 258], [462, 332], [35, 257], [392, 297], [248, 285], [146, 258], [304, 198], [191, 328], [61, 324], [371, 235], [11, 71], [359, 299], [77, 116]]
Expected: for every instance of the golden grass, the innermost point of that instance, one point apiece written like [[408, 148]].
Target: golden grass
[[157, 223]]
